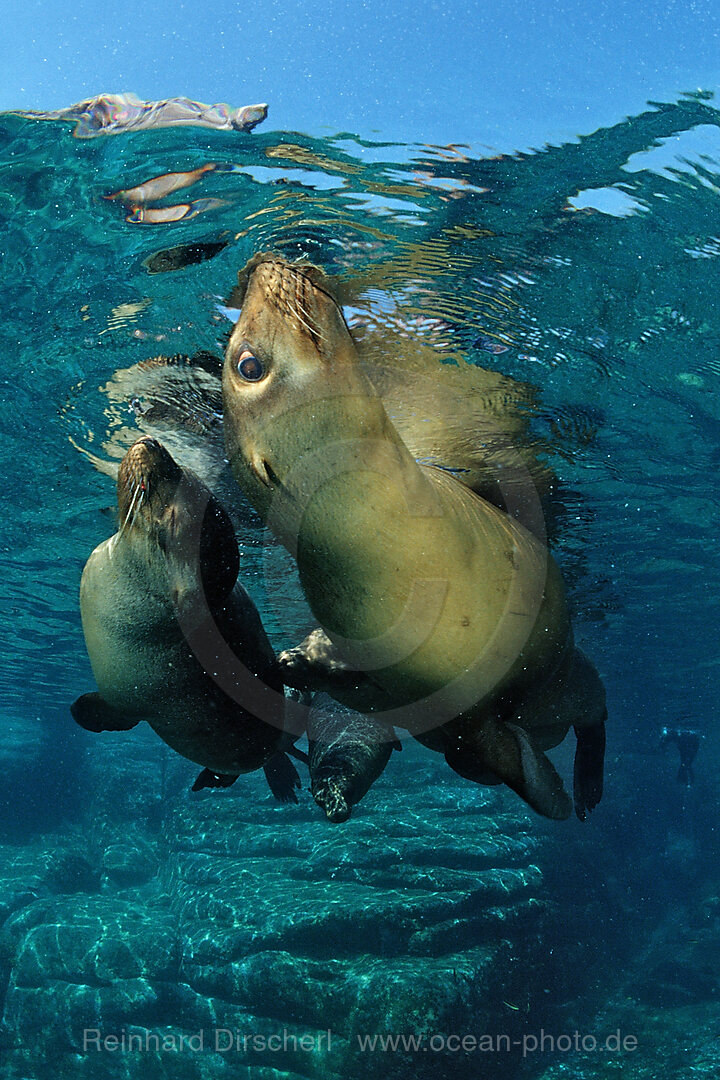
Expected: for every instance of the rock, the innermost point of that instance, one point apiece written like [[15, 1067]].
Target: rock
[[227, 912], [128, 864]]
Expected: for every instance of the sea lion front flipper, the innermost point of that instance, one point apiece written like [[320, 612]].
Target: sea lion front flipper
[[94, 714], [208, 778], [589, 766], [507, 752], [282, 777]]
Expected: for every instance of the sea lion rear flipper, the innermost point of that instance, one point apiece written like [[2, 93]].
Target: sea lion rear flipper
[[507, 752], [208, 778], [94, 714], [588, 772], [540, 784], [282, 777]]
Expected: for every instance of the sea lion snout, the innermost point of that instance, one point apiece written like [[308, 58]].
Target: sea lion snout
[[149, 454], [180, 522], [330, 795], [272, 291], [145, 463]]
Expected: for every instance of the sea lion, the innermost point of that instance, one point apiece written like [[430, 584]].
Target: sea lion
[[347, 755], [159, 187], [155, 598], [449, 606]]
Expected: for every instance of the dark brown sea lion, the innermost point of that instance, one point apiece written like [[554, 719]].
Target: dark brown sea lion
[[452, 609], [347, 755], [157, 598]]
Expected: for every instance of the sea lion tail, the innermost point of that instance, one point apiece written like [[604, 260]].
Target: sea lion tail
[[208, 778], [540, 785]]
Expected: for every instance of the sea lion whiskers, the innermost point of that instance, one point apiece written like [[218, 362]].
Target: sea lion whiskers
[[141, 492], [313, 331], [290, 300], [306, 285], [137, 507], [297, 282], [135, 489]]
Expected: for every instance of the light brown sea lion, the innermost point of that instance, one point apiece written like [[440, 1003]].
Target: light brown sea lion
[[159, 597], [449, 606]]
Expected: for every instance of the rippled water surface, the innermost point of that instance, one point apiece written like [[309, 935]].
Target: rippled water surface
[[609, 312]]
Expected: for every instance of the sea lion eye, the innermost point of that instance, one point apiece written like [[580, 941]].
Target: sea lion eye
[[249, 367]]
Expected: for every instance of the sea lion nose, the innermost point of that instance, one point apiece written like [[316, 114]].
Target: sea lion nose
[[151, 451], [146, 460]]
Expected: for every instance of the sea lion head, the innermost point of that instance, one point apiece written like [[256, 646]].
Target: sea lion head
[[330, 792], [176, 527], [291, 379]]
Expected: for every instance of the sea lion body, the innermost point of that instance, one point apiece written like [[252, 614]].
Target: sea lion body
[[452, 608], [155, 596]]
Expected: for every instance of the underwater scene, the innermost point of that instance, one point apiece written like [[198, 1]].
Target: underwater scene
[[409, 460]]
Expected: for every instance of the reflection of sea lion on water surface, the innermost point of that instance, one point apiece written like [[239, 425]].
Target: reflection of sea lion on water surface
[[452, 609], [157, 595], [178, 400], [110, 114]]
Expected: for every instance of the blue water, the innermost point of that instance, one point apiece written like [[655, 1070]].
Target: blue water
[[610, 311]]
